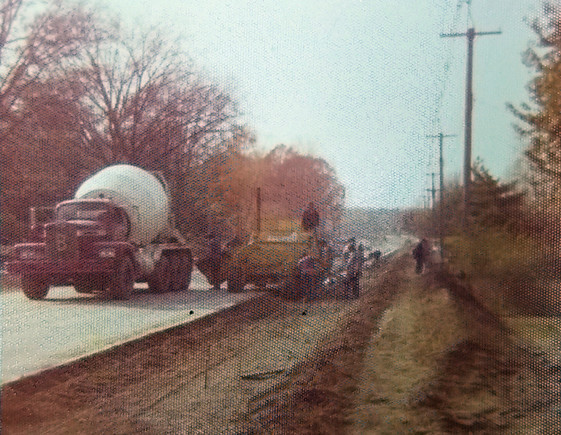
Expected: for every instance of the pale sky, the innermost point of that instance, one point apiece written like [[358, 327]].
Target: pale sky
[[360, 83]]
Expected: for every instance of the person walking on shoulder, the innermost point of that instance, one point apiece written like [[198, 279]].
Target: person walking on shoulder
[[421, 254], [353, 273]]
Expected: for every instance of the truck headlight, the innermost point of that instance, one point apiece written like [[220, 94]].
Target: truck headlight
[[30, 254], [107, 253]]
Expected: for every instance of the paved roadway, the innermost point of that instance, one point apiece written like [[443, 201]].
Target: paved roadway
[[36, 335]]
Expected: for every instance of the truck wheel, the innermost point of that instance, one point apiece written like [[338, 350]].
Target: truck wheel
[[186, 269], [122, 282], [35, 287], [174, 272], [291, 288], [84, 285], [160, 280], [179, 272], [236, 281]]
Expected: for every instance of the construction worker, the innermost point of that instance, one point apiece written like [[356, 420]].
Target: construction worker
[[307, 270], [353, 272], [310, 218]]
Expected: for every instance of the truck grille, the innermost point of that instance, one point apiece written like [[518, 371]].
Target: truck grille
[[62, 243]]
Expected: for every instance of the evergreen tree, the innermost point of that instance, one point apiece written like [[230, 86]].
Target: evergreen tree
[[541, 117]]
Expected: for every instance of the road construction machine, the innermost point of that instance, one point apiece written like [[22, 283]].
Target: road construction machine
[[271, 256]]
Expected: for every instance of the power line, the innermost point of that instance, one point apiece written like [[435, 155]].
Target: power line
[[470, 34], [441, 137], [449, 55]]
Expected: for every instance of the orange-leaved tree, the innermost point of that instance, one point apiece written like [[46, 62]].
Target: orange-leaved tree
[[288, 181]]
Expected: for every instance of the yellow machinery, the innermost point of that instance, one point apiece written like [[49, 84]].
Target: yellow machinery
[[271, 256]]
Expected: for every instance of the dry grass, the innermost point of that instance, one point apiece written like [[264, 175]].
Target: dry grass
[[541, 335], [402, 362], [442, 363], [542, 332], [516, 273]]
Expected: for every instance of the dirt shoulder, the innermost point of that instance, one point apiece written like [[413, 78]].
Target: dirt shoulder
[[233, 373], [442, 363], [414, 353], [434, 361]]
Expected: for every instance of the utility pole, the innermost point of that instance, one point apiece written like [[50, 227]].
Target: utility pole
[[471, 34], [258, 211], [441, 137], [432, 190]]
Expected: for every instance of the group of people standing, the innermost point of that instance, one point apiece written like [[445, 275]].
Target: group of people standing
[[353, 262], [353, 257], [308, 266]]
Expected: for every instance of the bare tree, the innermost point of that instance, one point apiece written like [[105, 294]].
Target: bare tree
[[75, 95], [41, 49], [142, 103], [39, 42], [149, 108]]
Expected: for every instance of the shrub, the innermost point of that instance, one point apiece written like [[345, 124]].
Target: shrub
[[517, 267]]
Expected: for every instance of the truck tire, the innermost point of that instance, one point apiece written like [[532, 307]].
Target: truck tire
[[174, 271], [35, 287], [160, 279], [85, 285], [122, 281], [291, 287], [186, 269], [236, 281], [179, 272]]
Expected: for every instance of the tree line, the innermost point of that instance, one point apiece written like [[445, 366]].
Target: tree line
[[512, 232], [78, 92]]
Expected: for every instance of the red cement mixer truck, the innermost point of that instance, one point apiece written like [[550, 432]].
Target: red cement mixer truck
[[117, 230]]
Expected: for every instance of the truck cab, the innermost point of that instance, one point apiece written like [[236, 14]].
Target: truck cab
[[81, 245], [94, 217]]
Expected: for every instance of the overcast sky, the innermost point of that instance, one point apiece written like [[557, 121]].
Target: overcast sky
[[361, 83]]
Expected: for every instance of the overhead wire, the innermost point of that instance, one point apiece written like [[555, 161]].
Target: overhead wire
[[470, 22], [443, 80], [446, 68], [444, 76]]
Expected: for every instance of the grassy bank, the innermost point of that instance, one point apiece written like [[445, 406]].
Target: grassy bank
[[441, 362], [541, 336], [510, 273], [402, 362]]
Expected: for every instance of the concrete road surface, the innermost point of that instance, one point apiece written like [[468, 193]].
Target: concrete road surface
[[36, 335]]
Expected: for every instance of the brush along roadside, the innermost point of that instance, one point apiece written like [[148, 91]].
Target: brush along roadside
[[442, 363]]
